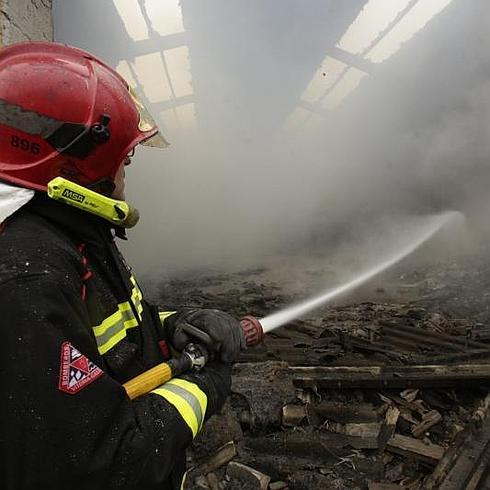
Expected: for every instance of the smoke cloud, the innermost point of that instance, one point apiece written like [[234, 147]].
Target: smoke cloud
[[292, 124]]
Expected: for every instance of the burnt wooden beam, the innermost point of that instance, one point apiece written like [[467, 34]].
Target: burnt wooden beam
[[320, 447], [418, 335], [483, 355], [391, 376], [372, 346], [466, 463], [342, 413]]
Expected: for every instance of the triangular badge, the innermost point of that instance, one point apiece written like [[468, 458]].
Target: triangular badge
[[76, 370]]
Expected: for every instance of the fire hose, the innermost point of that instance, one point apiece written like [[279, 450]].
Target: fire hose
[[194, 356]]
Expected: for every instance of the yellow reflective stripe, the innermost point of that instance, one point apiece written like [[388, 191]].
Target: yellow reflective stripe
[[140, 310], [113, 329], [107, 323], [136, 296], [137, 304], [165, 314], [192, 388], [136, 287], [130, 320], [190, 401], [182, 406]]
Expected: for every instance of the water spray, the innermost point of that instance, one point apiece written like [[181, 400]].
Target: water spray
[[254, 329], [291, 313]]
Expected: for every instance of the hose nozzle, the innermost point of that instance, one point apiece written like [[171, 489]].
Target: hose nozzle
[[252, 330]]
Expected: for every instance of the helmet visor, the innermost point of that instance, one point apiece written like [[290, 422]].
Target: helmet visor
[[147, 123]]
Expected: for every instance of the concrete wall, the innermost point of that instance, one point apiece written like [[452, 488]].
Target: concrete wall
[[24, 20]]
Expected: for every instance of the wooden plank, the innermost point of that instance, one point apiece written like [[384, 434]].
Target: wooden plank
[[391, 376], [429, 419], [248, 475], [365, 434], [388, 428], [293, 415], [222, 456], [408, 446]]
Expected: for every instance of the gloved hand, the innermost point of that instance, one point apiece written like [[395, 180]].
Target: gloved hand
[[224, 330], [215, 380]]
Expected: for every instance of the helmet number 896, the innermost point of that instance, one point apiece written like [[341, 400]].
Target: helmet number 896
[[25, 145]]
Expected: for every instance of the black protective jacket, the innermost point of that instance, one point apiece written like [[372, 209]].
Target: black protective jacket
[[73, 327]]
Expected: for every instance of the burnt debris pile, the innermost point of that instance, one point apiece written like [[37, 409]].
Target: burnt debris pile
[[380, 394]]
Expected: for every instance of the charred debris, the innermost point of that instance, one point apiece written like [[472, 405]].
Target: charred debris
[[371, 395]]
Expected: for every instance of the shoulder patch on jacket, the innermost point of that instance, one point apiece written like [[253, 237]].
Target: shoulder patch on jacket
[[76, 370]]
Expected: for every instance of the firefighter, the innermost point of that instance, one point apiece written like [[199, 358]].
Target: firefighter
[[74, 323]]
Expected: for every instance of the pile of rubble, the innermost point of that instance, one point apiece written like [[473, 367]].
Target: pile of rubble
[[364, 396]]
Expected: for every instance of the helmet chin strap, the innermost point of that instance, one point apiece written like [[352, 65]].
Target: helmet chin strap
[[118, 213]]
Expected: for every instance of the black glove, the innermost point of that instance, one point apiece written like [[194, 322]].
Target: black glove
[[224, 330], [215, 380]]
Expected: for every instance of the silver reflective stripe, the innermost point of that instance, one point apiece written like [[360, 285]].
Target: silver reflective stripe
[[30, 122], [189, 398]]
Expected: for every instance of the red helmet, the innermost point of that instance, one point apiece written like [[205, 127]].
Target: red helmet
[[64, 112]]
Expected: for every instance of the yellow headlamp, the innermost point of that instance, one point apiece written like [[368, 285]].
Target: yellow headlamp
[[119, 213]]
